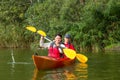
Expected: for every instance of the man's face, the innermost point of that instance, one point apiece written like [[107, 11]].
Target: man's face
[[58, 39]]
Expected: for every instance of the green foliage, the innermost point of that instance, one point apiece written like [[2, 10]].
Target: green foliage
[[92, 23], [11, 20], [100, 21]]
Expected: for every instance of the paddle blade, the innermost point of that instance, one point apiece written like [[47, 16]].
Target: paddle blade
[[69, 53], [31, 28], [41, 33], [82, 58]]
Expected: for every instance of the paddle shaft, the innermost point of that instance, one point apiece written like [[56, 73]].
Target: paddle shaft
[[48, 39]]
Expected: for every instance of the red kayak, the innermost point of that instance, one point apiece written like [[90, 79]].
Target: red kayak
[[46, 62]]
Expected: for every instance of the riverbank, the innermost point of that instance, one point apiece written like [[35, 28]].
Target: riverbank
[[35, 45], [114, 47]]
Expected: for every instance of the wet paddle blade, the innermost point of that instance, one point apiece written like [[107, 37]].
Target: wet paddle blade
[[82, 58], [31, 28], [69, 53], [41, 33]]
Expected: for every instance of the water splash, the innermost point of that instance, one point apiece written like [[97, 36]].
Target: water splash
[[13, 59], [14, 62]]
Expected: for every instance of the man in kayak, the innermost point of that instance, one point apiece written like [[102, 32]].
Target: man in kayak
[[55, 49]]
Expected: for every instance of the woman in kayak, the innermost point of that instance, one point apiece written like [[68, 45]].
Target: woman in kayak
[[67, 42]]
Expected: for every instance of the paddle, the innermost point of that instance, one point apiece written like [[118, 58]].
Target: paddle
[[72, 54], [33, 29], [43, 34]]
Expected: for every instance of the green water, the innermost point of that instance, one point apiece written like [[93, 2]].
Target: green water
[[99, 67]]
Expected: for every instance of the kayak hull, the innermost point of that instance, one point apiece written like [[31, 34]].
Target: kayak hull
[[46, 62]]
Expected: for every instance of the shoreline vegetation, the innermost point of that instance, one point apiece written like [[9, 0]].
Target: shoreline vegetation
[[93, 24]]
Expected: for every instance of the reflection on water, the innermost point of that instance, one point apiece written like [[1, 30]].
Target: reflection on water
[[35, 74], [81, 71], [76, 72], [69, 75], [47, 75]]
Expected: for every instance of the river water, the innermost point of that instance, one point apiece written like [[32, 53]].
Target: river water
[[17, 64]]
